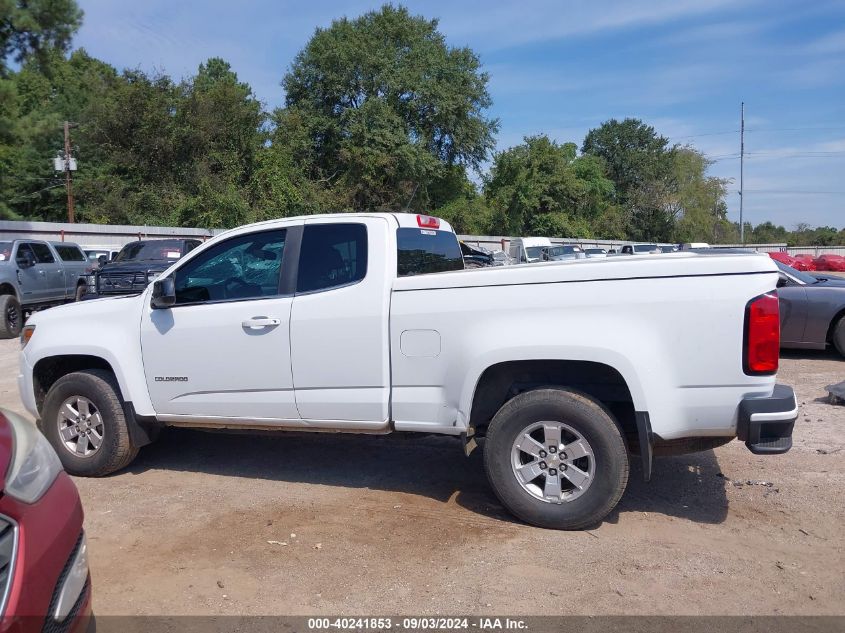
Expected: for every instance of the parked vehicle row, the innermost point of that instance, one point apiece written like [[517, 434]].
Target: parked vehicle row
[[807, 263]]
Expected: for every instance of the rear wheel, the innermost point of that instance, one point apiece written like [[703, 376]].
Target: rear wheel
[[556, 458], [839, 336], [11, 316], [83, 419]]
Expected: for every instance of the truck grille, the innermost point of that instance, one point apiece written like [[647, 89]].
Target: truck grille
[[121, 283], [8, 542]]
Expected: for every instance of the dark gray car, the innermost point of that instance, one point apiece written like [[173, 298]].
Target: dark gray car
[[812, 310]]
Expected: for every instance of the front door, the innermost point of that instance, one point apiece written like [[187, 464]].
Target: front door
[[222, 353], [793, 311], [32, 279]]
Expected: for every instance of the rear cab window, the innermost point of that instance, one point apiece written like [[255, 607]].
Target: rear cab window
[[331, 256], [5, 251], [423, 251]]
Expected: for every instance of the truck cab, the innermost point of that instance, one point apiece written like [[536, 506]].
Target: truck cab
[[35, 274], [527, 250]]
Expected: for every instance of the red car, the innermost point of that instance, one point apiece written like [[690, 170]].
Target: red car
[[830, 262], [789, 260], [807, 259], [44, 581]]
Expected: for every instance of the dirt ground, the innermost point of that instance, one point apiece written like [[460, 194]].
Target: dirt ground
[[208, 523]]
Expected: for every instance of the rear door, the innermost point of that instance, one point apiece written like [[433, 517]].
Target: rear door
[[339, 323]]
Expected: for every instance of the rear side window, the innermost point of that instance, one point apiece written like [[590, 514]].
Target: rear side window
[[422, 251], [331, 255], [42, 253], [70, 254]]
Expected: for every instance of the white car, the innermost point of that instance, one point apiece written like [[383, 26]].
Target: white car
[[527, 250], [368, 323]]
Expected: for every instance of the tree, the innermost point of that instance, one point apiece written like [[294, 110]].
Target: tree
[[389, 107], [543, 188], [697, 201], [34, 28], [640, 163]]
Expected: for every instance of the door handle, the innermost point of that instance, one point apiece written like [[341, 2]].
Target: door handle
[[260, 322]]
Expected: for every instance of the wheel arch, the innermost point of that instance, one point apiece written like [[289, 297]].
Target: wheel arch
[[7, 288], [833, 323], [48, 370], [500, 382]]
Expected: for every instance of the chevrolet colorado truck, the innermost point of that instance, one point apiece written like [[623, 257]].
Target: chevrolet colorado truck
[[36, 275], [368, 323]]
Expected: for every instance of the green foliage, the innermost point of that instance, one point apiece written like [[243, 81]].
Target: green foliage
[[380, 114], [542, 188], [36, 28], [389, 108]]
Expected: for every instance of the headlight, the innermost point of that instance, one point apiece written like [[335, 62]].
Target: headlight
[[35, 464], [26, 334]]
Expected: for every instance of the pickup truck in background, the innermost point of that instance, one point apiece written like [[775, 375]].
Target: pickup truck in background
[[136, 265], [36, 275], [368, 323]]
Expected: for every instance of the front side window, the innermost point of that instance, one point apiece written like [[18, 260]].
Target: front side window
[[535, 252], [331, 255], [70, 254], [42, 253], [244, 267]]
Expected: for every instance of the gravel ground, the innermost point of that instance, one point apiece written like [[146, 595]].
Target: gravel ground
[[212, 523]]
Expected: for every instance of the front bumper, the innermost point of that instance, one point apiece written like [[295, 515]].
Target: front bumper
[[765, 424]]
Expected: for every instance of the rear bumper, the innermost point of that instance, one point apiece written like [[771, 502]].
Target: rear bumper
[[765, 424]]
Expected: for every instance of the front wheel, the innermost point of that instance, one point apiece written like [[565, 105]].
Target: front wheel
[[556, 458], [83, 419], [11, 316]]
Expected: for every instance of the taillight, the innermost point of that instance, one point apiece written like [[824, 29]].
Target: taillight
[[428, 222], [762, 335]]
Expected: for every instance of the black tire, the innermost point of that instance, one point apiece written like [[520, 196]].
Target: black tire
[[81, 289], [838, 336], [11, 316], [100, 388], [589, 419]]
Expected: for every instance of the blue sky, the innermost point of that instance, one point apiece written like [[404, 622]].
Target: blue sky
[[561, 68]]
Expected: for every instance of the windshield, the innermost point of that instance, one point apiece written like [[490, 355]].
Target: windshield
[[645, 248], [596, 251], [802, 277], [158, 249], [534, 252], [5, 251]]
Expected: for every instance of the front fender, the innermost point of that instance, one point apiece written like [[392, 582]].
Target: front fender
[[108, 329]]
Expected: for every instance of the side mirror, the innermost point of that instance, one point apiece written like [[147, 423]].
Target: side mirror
[[26, 260], [164, 294], [102, 259], [783, 280]]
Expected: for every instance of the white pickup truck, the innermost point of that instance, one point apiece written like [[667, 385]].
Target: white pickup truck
[[367, 323]]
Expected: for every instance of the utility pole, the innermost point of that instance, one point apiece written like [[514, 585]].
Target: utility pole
[[67, 164], [68, 178], [741, 172]]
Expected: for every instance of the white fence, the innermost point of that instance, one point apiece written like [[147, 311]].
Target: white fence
[[106, 235]]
